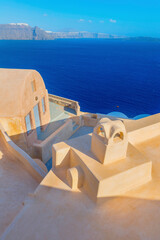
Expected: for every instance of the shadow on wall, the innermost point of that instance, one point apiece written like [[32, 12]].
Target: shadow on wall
[[38, 142], [11, 150], [150, 191]]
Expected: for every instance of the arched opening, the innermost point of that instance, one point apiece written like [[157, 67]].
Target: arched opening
[[100, 131], [118, 137]]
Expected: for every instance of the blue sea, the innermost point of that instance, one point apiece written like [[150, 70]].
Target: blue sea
[[103, 75]]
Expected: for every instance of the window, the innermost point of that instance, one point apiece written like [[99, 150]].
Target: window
[[33, 83], [43, 105], [28, 123], [100, 131], [118, 137]]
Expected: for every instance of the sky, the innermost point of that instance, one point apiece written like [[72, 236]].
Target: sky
[[119, 17]]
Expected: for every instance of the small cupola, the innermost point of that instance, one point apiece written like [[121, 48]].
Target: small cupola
[[109, 141]]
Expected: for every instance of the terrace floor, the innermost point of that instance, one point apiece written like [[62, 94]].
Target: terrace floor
[[58, 213], [80, 132], [15, 184], [59, 114]]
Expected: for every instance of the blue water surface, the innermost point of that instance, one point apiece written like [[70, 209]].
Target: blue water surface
[[103, 75]]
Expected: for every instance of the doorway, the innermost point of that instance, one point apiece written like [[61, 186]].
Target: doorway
[[37, 119]]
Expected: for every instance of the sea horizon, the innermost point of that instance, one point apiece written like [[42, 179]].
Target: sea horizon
[[103, 75]]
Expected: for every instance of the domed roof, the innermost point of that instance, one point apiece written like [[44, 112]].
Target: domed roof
[[15, 86]]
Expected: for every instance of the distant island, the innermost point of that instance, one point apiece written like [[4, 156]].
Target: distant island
[[22, 31]]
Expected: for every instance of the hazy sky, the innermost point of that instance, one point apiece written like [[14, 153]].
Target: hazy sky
[[120, 17]]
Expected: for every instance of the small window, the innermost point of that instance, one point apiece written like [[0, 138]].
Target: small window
[[100, 131], [33, 83], [118, 137], [43, 105], [28, 123]]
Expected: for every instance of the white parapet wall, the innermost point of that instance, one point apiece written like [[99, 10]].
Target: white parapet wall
[[65, 102], [31, 166], [43, 150], [145, 133]]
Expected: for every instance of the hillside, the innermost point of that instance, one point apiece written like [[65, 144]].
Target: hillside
[[22, 31]]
